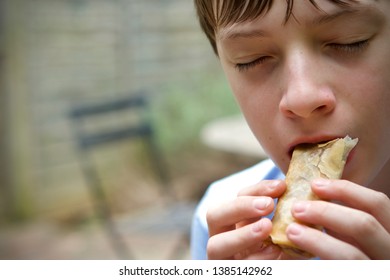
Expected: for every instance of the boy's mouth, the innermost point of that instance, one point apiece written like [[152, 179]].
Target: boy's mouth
[[310, 141]]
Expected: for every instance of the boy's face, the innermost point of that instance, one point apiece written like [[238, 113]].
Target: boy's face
[[323, 74]]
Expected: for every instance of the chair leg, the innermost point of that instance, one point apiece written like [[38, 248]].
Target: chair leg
[[160, 167], [103, 212]]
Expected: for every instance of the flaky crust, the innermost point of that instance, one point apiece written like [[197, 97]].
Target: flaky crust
[[309, 161]]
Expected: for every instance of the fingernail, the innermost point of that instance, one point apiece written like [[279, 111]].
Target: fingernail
[[300, 206], [294, 229], [321, 182], [262, 203], [273, 184], [258, 226]]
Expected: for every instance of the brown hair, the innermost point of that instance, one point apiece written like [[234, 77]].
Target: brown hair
[[213, 14]]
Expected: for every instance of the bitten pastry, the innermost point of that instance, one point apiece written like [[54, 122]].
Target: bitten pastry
[[309, 161]]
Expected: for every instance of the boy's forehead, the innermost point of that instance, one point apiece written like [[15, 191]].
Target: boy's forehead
[[303, 13]]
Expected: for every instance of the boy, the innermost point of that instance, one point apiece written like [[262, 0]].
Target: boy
[[304, 71]]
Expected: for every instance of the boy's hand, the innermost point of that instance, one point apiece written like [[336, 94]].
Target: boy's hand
[[237, 229], [357, 226]]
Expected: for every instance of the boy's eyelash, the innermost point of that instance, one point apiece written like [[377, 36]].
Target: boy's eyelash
[[352, 47], [246, 66]]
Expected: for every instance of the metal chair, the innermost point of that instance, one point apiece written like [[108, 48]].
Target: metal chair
[[142, 129]]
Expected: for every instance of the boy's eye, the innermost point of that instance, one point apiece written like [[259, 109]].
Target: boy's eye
[[247, 66], [351, 47]]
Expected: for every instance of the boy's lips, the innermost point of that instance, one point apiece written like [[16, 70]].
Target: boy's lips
[[310, 140]]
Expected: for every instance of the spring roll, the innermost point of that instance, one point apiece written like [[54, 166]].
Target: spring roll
[[309, 161]]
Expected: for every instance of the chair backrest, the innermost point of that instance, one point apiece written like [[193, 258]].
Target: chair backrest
[[87, 139], [125, 126]]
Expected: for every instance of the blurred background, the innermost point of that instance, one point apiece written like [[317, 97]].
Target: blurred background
[[57, 55]]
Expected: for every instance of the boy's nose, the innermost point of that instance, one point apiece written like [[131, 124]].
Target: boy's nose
[[305, 92]]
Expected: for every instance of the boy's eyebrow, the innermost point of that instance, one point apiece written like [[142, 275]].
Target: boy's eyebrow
[[329, 17], [232, 33]]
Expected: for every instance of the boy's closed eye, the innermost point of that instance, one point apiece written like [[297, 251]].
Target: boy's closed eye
[[248, 65], [342, 48], [351, 47]]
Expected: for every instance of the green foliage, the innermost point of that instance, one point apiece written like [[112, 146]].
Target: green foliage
[[185, 107]]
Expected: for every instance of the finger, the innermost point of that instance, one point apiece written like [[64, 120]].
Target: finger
[[264, 252], [246, 222], [322, 245], [355, 196], [226, 216], [229, 244], [272, 188], [271, 252], [362, 227]]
